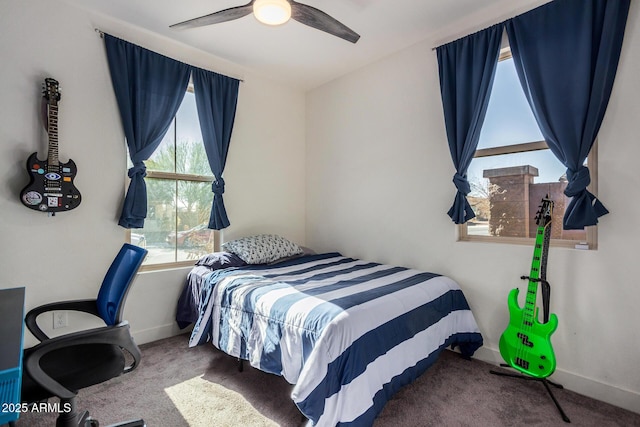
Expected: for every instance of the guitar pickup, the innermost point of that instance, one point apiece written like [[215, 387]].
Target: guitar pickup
[[52, 188], [522, 363], [53, 194]]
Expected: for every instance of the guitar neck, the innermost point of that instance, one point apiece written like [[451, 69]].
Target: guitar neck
[[538, 271], [545, 252], [52, 131]]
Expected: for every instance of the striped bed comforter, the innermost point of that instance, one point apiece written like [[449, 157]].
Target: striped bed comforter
[[346, 332]]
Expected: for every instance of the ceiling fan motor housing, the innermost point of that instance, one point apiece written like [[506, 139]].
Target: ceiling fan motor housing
[[272, 12]]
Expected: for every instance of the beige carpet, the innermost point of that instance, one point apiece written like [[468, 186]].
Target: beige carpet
[[177, 386], [203, 404]]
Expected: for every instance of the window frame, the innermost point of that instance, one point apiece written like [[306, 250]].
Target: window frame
[[175, 176], [592, 160]]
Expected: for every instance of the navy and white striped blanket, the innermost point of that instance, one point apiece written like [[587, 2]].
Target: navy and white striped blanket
[[346, 332]]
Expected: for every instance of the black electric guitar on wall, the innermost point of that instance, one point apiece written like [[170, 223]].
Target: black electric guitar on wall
[[526, 343], [51, 188]]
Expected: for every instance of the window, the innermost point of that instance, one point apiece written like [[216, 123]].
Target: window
[[179, 196], [513, 169]]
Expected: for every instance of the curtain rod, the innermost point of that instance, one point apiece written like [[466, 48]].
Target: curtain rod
[[470, 34], [497, 23], [102, 33]]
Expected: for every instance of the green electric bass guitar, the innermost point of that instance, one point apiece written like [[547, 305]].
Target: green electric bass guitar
[[526, 343]]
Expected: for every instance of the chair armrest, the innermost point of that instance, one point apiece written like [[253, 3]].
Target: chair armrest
[[117, 335], [86, 306]]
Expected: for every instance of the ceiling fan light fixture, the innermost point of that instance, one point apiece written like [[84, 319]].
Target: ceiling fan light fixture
[[272, 12]]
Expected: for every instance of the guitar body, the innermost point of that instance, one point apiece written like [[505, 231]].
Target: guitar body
[[528, 349], [51, 188]]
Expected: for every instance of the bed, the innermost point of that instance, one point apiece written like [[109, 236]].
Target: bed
[[347, 333]]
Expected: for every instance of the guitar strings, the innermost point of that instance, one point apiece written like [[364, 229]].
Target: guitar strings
[[530, 313]]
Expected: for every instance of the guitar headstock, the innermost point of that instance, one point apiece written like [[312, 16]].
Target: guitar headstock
[[545, 212], [51, 91]]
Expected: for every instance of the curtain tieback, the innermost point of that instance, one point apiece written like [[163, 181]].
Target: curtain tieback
[[578, 181], [217, 186], [462, 184], [138, 169]]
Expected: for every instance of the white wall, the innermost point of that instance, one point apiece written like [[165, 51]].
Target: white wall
[[65, 257], [379, 184]]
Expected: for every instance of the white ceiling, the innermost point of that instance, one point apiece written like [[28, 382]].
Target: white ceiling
[[295, 53]]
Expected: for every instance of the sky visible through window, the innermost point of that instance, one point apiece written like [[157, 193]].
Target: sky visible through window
[[510, 121], [187, 118]]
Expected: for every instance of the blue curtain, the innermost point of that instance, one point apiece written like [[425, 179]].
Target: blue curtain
[[216, 100], [149, 89], [467, 67], [566, 55]]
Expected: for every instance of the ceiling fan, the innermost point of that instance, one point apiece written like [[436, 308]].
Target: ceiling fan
[[276, 12]]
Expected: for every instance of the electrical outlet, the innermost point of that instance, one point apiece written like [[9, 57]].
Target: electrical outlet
[[59, 319]]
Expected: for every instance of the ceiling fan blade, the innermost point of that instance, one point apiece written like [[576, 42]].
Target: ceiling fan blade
[[216, 17], [319, 20]]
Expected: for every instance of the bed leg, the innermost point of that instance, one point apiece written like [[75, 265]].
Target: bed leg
[[240, 365]]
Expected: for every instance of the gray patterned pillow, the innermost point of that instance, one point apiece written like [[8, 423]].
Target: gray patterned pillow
[[262, 249]]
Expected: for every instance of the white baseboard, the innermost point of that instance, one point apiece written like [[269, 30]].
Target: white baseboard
[[156, 333], [613, 395]]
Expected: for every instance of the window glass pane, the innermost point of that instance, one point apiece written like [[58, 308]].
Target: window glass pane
[[190, 155], [192, 159], [193, 238], [507, 190], [164, 158], [178, 209], [192, 204], [549, 167], [160, 221], [509, 119]]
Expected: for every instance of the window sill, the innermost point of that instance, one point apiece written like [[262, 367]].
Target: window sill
[[555, 243], [167, 266]]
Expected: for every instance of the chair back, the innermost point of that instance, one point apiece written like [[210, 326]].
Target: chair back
[[117, 281]]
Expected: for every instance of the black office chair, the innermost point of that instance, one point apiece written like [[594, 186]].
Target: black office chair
[[62, 365]]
